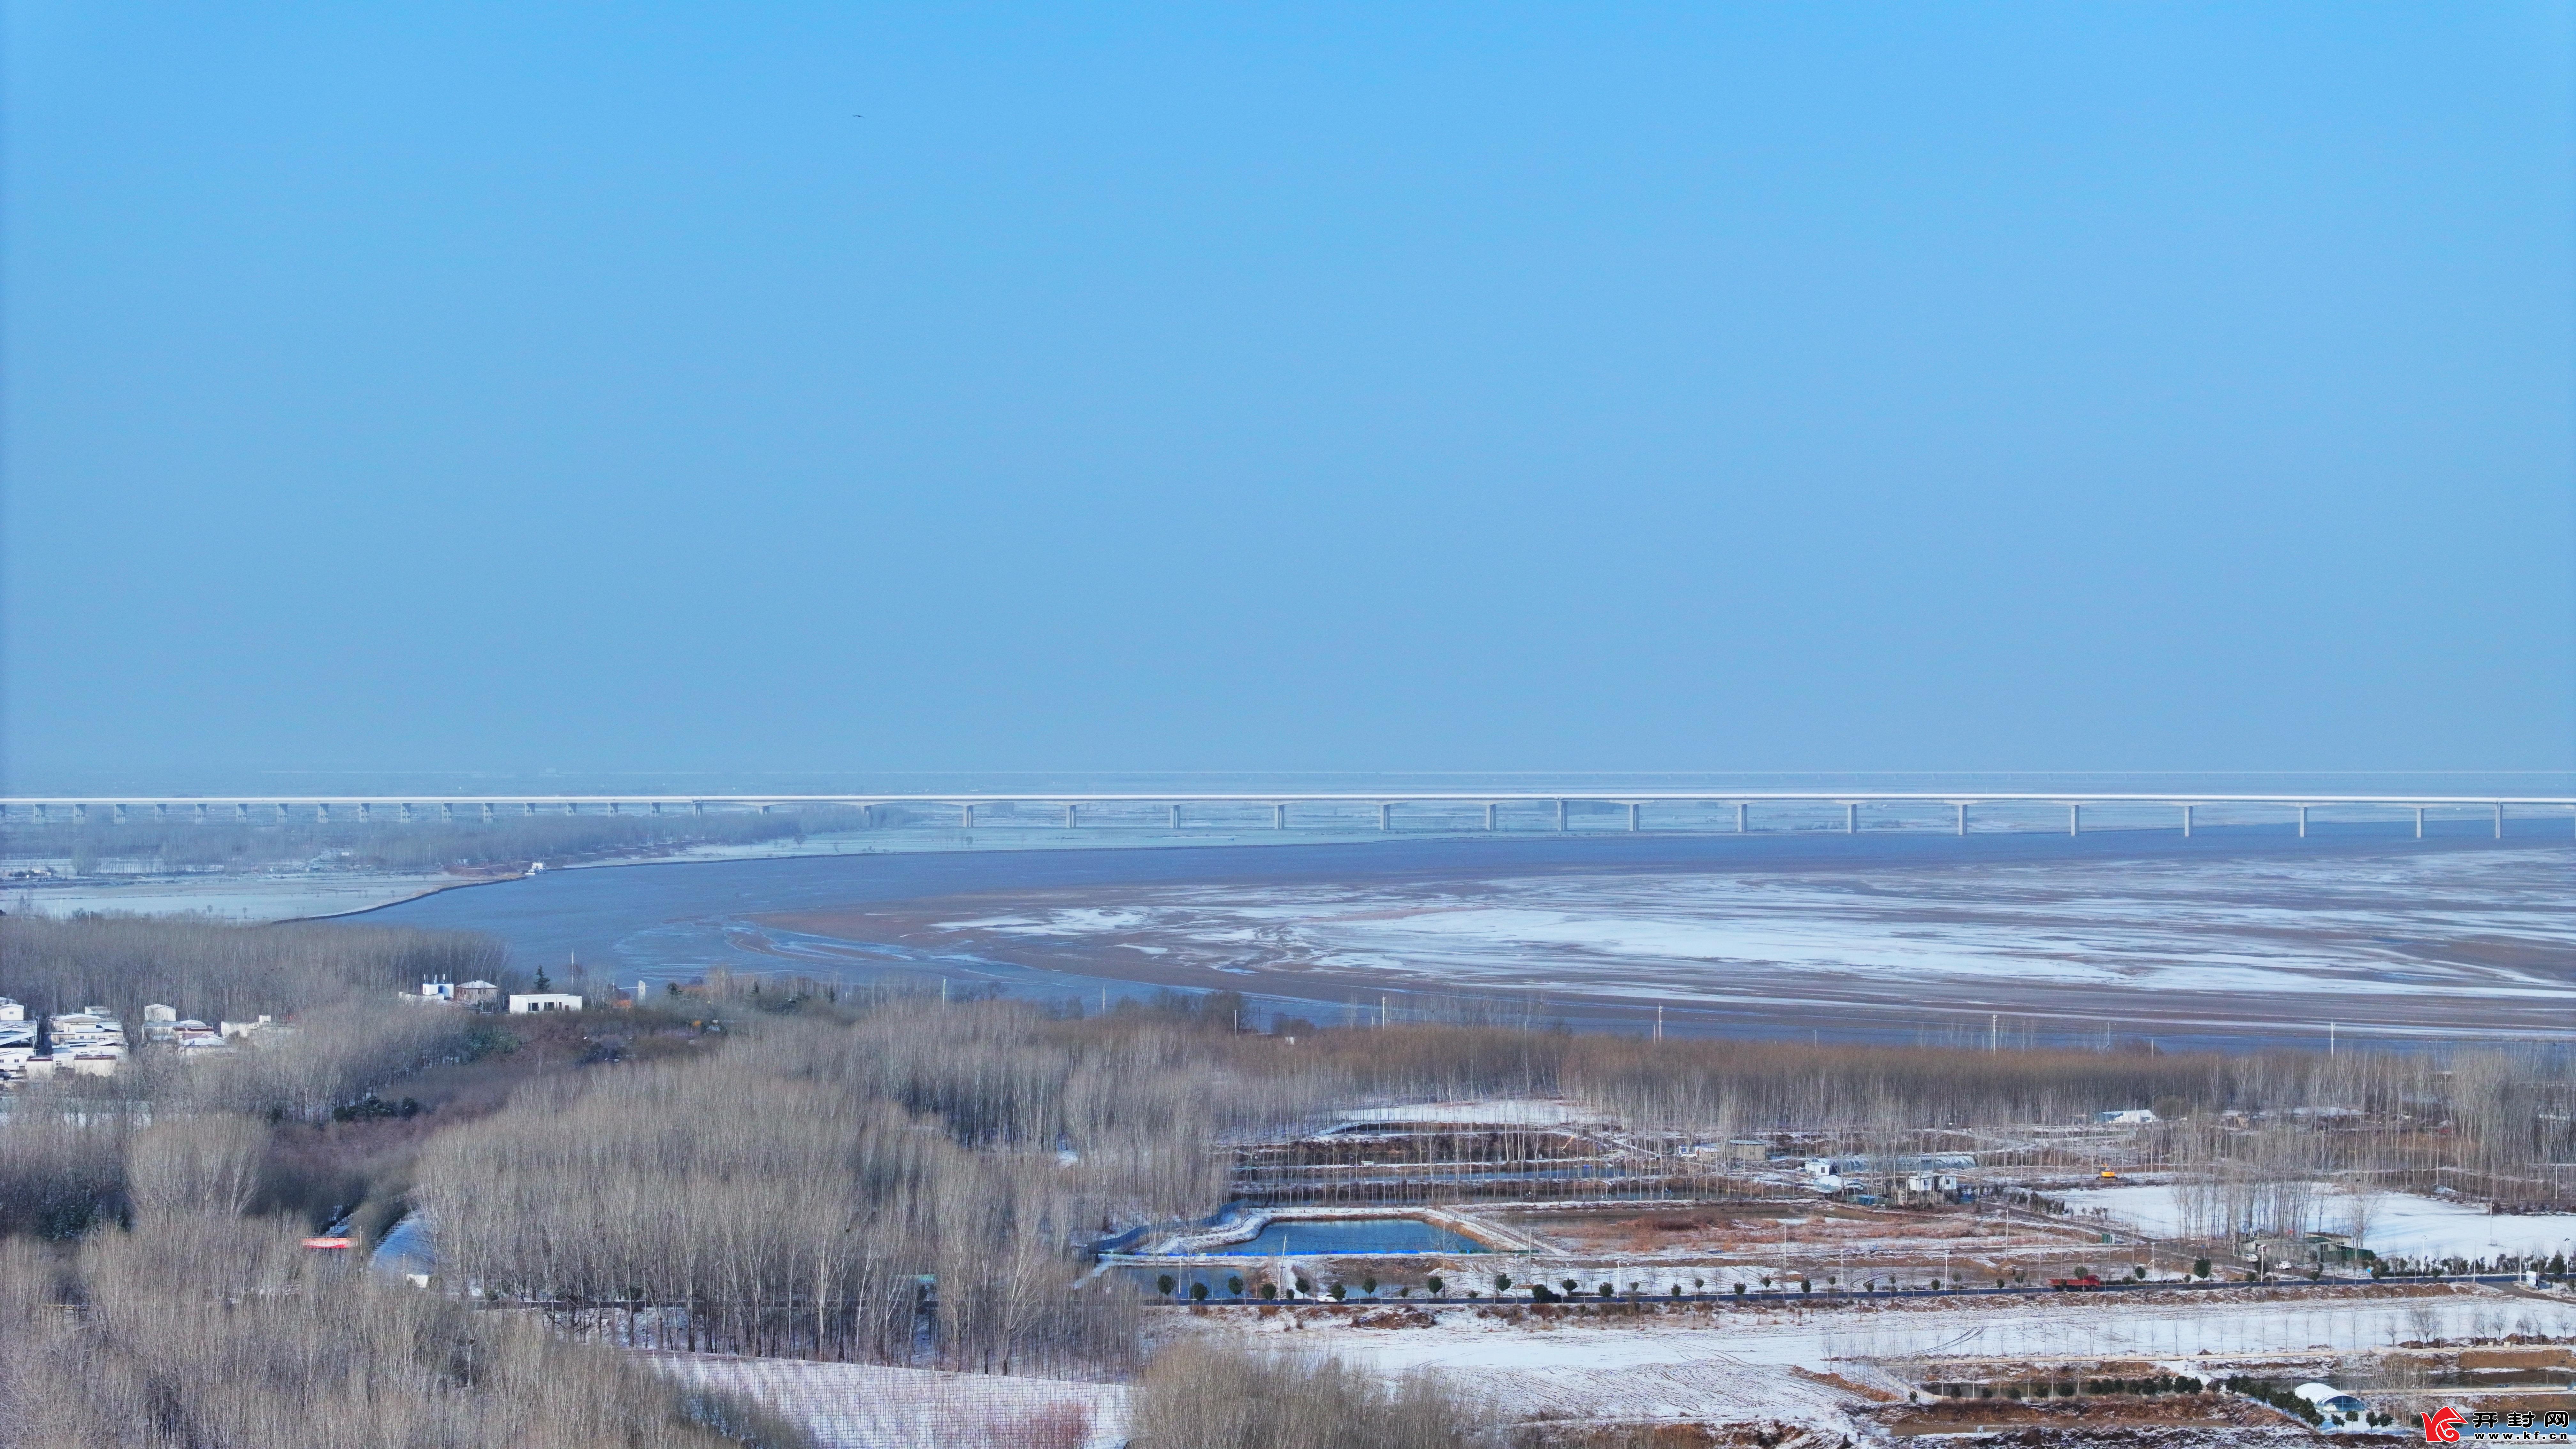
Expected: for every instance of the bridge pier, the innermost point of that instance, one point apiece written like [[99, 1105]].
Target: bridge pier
[[1560, 814], [161, 814], [366, 815], [2075, 820], [1489, 815], [2186, 822], [1385, 816], [2303, 822], [447, 814], [487, 812], [201, 814], [527, 807], [1851, 818], [116, 815], [2499, 822], [1743, 815], [241, 812], [1071, 822], [1632, 816], [1963, 817], [321, 814], [1176, 817], [699, 807], [1279, 816], [2419, 822], [966, 813]]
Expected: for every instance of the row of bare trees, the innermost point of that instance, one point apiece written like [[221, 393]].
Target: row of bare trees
[[213, 970], [196, 1326]]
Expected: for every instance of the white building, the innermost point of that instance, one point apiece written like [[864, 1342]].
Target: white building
[[2131, 1117], [95, 1033], [2337, 1407], [11, 1011], [244, 1030], [522, 1003]]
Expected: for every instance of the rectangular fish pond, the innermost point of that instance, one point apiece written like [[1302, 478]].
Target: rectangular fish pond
[[1355, 1237]]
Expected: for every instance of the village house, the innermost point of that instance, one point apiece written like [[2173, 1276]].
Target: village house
[[522, 1003]]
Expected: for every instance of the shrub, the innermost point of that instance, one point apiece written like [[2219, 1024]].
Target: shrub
[[1196, 1395]]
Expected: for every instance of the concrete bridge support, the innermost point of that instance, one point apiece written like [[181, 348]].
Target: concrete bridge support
[[1560, 815], [966, 814], [1489, 815], [1963, 818], [2303, 822], [1851, 819], [1743, 818], [1279, 817], [2186, 822], [1071, 820], [2075, 820], [1385, 816], [116, 815], [1633, 807], [2499, 822], [1176, 817]]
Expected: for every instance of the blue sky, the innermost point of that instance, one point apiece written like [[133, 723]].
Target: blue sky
[[1483, 387]]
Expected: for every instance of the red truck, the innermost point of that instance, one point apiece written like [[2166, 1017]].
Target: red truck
[[2075, 1284]]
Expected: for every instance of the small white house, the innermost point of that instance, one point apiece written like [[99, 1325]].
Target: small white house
[[2128, 1117], [524, 1002], [11, 1011]]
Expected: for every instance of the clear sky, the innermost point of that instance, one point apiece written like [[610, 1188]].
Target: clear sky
[[1306, 387]]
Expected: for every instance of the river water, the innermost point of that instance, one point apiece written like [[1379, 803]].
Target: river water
[[659, 923]]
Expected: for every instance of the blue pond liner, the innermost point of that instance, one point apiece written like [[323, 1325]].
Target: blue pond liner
[[1351, 1236]]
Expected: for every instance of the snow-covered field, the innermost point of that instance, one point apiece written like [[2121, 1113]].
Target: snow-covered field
[[2159, 1326], [1746, 1365], [2396, 1224], [867, 1406], [282, 896]]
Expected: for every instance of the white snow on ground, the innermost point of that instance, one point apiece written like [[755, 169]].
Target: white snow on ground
[[1507, 1112], [2163, 1326], [1738, 1366], [2401, 1225], [280, 897], [867, 1406]]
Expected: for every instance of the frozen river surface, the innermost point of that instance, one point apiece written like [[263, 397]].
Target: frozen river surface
[[1924, 938]]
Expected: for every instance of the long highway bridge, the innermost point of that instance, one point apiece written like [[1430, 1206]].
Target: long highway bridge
[[1553, 809]]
